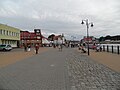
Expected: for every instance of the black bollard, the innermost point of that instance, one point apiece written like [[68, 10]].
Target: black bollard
[[118, 49], [112, 48], [107, 48]]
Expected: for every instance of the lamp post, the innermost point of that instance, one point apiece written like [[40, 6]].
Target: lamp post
[[87, 25]]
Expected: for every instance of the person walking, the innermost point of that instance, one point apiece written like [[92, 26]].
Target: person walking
[[60, 47], [25, 48], [29, 47], [36, 48]]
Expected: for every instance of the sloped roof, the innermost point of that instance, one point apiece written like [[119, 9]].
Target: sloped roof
[[56, 37]]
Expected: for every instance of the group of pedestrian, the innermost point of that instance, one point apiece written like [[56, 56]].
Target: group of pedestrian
[[58, 46], [28, 48], [83, 47], [98, 48]]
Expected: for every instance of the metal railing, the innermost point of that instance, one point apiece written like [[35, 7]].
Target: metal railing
[[111, 48]]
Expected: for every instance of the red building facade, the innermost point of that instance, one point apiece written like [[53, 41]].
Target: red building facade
[[91, 39], [31, 38]]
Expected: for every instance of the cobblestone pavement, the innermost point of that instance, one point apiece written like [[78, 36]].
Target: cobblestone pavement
[[58, 70], [45, 71], [86, 74]]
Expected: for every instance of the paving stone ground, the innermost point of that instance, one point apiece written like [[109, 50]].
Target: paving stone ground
[[10, 57], [56, 70], [86, 74], [45, 71]]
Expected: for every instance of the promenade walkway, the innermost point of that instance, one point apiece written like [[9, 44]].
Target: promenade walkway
[[44, 71], [109, 59], [58, 70], [88, 74], [15, 55]]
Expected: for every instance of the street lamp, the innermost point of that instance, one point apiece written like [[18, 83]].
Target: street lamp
[[87, 24]]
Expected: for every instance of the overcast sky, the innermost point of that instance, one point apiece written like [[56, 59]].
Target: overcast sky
[[63, 16]]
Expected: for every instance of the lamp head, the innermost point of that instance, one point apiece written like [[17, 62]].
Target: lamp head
[[82, 22], [92, 25]]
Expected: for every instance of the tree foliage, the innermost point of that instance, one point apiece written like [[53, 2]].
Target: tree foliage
[[108, 37]]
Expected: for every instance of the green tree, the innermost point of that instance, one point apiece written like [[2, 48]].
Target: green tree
[[101, 39], [108, 37]]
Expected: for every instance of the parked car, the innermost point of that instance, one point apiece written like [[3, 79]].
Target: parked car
[[5, 47]]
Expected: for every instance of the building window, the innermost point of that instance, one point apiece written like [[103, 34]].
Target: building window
[[18, 34], [10, 33], [4, 32], [8, 42], [14, 33], [5, 42], [1, 31]]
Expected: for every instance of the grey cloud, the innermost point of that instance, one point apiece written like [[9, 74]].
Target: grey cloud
[[63, 16]]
